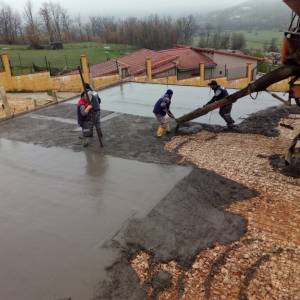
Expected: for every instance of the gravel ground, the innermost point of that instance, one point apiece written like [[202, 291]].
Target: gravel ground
[[265, 262]]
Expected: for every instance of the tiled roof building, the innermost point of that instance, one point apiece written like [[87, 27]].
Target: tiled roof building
[[181, 60]]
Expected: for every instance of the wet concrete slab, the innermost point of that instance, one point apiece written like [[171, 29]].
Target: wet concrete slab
[[69, 120], [125, 136], [64, 110], [63, 202], [58, 207], [139, 99]]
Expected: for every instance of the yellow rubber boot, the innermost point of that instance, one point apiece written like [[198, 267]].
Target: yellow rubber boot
[[160, 131]]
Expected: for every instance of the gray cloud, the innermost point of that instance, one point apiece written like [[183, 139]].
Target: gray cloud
[[132, 7]]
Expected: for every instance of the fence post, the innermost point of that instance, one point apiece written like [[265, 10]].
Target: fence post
[[54, 95], [202, 74], [249, 72], [34, 103], [7, 70], [20, 61], [149, 68], [7, 109], [66, 62], [47, 65], [85, 68]]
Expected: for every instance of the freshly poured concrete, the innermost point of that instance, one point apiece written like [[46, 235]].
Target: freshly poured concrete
[[58, 207], [139, 99]]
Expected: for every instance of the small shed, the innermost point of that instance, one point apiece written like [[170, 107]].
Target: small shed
[[56, 46]]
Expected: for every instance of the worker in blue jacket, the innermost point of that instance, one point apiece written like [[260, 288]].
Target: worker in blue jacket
[[163, 114], [219, 94]]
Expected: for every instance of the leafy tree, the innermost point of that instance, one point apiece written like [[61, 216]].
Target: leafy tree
[[273, 46], [225, 41], [238, 41]]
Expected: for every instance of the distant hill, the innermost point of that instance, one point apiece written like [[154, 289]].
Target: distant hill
[[253, 14]]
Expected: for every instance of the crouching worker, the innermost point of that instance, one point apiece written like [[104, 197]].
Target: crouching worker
[[84, 117], [163, 114], [225, 111]]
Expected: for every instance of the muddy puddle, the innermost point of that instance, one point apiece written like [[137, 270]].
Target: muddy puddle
[[57, 210], [139, 99]]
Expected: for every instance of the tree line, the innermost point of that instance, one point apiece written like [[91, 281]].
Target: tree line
[[53, 23]]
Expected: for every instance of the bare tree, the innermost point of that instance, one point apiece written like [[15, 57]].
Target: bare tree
[[47, 19], [56, 15], [187, 27], [31, 25], [66, 25], [80, 28], [10, 23], [208, 30]]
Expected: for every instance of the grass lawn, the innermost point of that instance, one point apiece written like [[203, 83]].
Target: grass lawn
[[256, 39], [22, 58]]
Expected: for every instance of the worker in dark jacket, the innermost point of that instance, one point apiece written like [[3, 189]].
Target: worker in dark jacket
[[84, 117], [95, 102], [219, 94], [162, 113]]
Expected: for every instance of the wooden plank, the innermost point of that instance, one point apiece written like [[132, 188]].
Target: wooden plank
[[7, 109]]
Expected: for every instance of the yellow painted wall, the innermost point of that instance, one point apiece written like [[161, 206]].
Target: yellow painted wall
[[100, 82], [40, 82], [241, 83], [282, 86], [3, 80], [196, 81]]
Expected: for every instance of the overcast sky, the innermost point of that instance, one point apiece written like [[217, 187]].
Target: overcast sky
[[132, 7]]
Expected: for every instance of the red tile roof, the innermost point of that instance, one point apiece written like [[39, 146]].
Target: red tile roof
[[209, 50], [163, 68], [105, 68], [136, 60], [188, 58], [135, 63], [184, 57]]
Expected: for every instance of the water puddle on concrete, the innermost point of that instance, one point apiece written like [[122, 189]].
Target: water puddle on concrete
[[139, 99], [58, 207]]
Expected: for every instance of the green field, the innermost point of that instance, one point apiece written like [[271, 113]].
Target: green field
[[22, 58], [257, 39]]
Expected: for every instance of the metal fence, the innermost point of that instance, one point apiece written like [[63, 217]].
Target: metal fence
[[22, 64], [216, 72], [264, 67], [1, 65], [237, 72]]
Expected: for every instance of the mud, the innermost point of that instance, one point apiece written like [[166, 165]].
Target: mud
[[278, 164]]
